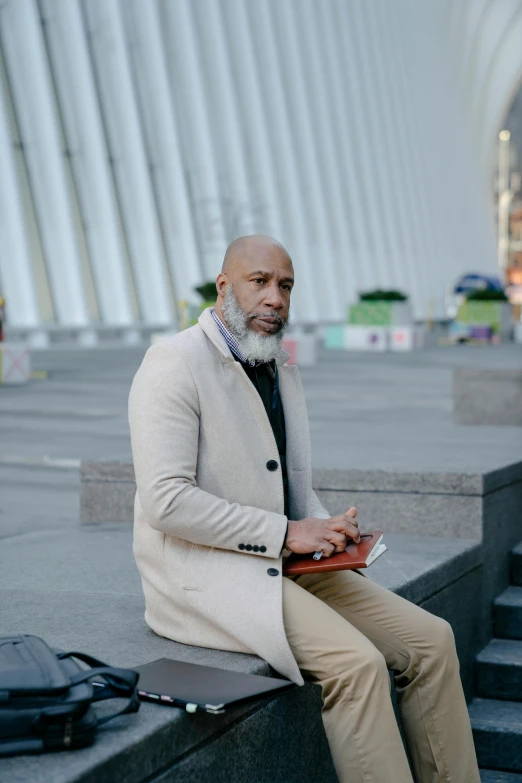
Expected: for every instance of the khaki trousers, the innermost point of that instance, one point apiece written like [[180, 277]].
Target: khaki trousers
[[345, 632]]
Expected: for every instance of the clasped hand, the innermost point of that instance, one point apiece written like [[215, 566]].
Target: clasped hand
[[323, 535]]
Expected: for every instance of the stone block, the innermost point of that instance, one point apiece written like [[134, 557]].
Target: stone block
[[516, 564], [498, 670], [15, 363], [83, 592], [507, 612], [487, 397], [107, 491], [419, 514], [302, 349], [497, 731]]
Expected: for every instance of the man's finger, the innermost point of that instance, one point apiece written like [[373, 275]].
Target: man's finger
[[352, 512], [342, 525]]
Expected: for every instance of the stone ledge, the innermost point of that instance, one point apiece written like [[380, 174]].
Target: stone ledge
[[487, 397], [82, 591]]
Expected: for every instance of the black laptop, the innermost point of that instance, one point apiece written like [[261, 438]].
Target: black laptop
[[194, 686]]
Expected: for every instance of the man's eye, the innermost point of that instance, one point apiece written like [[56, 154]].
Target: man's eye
[[259, 280]]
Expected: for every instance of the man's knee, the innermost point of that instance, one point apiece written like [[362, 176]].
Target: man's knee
[[440, 639], [370, 666]]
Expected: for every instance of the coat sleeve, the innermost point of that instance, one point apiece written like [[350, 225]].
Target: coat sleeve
[[164, 426], [317, 509]]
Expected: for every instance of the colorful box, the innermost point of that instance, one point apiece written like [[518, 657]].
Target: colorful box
[[406, 338], [496, 314], [380, 314]]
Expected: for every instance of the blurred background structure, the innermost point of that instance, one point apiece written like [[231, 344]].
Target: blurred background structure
[[139, 137]]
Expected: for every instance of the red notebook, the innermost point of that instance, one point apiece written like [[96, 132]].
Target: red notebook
[[360, 555]]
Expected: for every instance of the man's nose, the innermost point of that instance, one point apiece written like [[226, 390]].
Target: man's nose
[[273, 298]]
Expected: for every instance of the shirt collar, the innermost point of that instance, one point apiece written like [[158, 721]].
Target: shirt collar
[[232, 342]]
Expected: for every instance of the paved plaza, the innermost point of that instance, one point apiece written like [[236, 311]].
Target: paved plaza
[[367, 411]]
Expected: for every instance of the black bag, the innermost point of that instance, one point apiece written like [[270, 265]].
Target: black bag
[[46, 697]]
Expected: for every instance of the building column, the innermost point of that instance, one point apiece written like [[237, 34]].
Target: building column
[[33, 97]]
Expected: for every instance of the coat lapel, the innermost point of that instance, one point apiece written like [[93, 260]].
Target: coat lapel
[[294, 407]]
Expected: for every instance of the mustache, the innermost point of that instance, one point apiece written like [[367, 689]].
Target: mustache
[[274, 315]]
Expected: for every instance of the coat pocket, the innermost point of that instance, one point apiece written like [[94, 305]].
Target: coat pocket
[[193, 569]]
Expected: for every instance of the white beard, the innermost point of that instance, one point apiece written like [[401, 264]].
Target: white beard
[[253, 345]]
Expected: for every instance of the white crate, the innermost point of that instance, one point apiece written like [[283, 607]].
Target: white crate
[[406, 338], [365, 338], [15, 364]]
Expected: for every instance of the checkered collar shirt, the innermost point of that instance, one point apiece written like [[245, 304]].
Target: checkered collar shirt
[[232, 342]]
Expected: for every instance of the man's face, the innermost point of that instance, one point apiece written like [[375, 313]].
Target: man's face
[[262, 287]]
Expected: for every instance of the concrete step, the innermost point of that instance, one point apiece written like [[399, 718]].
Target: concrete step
[[497, 731], [516, 564], [498, 669], [493, 776], [507, 613]]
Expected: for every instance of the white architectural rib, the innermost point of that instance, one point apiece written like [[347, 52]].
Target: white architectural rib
[[88, 156], [259, 158], [377, 132], [330, 157], [302, 245], [427, 245], [125, 142], [16, 278], [356, 200], [225, 119], [186, 81], [357, 97], [316, 196], [29, 76], [413, 276], [160, 132]]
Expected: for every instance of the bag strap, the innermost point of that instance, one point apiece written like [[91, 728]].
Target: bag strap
[[121, 682]]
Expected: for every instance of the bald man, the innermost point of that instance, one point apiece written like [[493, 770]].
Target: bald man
[[221, 451]]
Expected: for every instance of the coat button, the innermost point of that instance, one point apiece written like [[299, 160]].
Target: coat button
[[248, 547], [240, 546], [272, 572], [262, 548], [272, 464], [255, 548]]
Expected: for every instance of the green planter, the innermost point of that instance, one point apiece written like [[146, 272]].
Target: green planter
[[380, 313], [494, 314]]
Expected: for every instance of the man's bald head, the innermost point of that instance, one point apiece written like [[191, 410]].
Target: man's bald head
[[254, 288], [249, 251]]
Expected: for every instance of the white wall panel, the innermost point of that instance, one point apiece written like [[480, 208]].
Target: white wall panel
[[125, 139], [89, 157], [162, 142], [360, 134], [28, 72], [16, 273]]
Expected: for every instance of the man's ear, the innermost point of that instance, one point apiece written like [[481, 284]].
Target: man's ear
[[221, 283]]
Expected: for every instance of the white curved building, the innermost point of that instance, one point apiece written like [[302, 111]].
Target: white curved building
[[139, 137]]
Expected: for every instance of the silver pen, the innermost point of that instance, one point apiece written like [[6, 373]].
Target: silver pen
[[318, 555]]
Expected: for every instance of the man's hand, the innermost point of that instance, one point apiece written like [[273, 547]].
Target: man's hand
[[322, 535]]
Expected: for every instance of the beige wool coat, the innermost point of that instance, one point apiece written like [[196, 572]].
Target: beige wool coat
[[201, 440]]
